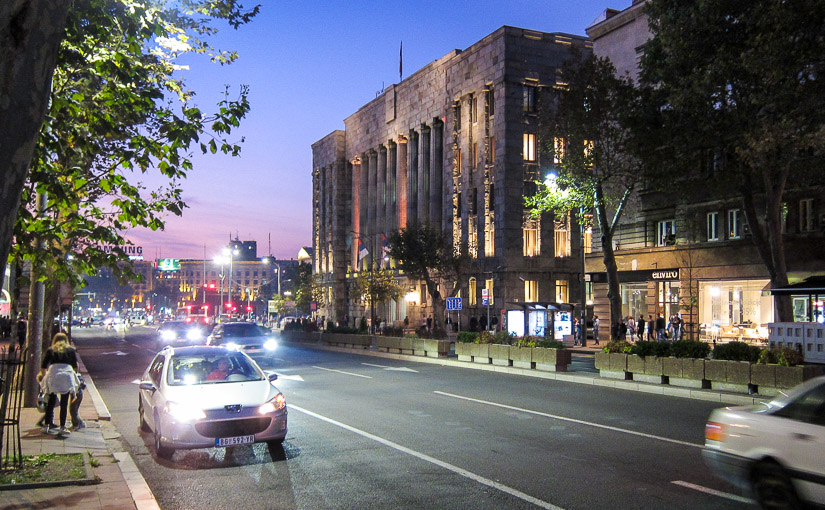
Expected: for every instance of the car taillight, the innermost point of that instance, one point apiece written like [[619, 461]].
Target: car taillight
[[715, 431]]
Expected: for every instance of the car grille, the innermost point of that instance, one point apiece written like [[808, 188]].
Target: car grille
[[230, 428]]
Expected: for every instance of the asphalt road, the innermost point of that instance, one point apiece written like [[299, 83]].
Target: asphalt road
[[369, 432]]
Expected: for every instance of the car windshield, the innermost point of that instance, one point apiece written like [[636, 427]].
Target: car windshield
[[241, 330], [209, 368]]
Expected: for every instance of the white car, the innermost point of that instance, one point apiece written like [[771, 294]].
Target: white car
[[203, 397], [775, 450]]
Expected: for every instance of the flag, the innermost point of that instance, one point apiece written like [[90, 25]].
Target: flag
[[384, 248], [362, 251], [401, 62]]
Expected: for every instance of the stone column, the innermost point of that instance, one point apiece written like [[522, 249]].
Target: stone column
[[374, 214], [401, 173], [437, 172], [392, 182], [412, 196], [380, 204], [356, 209], [423, 191]]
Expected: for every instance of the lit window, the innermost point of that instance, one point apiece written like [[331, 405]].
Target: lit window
[[488, 284], [531, 242], [458, 161], [713, 226], [561, 291], [472, 291], [562, 236], [806, 215], [492, 143], [529, 147], [666, 233], [734, 224], [490, 242], [531, 290], [588, 152], [588, 234], [558, 150]]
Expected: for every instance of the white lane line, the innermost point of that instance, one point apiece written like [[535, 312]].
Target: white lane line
[[372, 365], [342, 372], [572, 420], [432, 460], [396, 369], [714, 492]]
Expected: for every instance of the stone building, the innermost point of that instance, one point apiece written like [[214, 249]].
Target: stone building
[[454, 144], [696, 258]]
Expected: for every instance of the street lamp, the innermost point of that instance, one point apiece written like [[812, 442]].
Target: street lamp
[[231, 254]]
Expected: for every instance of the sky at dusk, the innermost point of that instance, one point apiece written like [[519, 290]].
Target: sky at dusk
[[309, 65]]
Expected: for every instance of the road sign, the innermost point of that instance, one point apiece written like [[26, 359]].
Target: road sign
[[485, 301], [485, 293], [453, 303]]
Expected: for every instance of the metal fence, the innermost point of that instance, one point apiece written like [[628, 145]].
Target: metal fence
[[12, 376]]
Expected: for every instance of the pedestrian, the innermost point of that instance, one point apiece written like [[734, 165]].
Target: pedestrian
[[21, 332], [576, 331], [596, 329], [406, 321], [661, 334], [631, 327], [58, 376], [640, 327], [430, 323], [650, 327]]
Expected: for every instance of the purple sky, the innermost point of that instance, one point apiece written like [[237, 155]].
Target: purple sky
[[309, 65]]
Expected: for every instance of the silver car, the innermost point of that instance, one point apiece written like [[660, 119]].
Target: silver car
[[246, 337], [202, 397], [181, 332]]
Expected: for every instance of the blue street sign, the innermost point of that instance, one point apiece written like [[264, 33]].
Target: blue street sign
[[453, 303], [485, 301]]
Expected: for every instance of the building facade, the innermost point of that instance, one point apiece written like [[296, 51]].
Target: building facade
[[455, 145]]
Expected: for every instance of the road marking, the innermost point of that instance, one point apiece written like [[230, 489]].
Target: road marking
[[342, 372], [290, 377], [455, 469], [572, 420], [116, 353], [714, 492], [396, 369]]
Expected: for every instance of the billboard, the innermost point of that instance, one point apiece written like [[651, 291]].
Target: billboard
[[167, 264]]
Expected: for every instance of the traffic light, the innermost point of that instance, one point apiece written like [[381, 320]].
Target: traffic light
[[248, 308]]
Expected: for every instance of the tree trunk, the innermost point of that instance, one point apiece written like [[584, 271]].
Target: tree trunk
[[614, 295], [30, 34]]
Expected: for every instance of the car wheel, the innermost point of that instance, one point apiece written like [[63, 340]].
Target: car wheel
[[144, 427], [164, 452], [275, 443], [773, 487]]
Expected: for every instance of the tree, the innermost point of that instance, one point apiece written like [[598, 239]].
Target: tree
[[583, 127], [375, 286], [424, 253], [303, 285], [739, 85]]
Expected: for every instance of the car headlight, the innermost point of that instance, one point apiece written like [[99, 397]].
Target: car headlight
[[168, 335], [231, 345], [270, 345], [279, 402], [194, 334], [183, 412]]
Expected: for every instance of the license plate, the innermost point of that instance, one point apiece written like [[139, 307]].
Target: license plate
[[230, 441]]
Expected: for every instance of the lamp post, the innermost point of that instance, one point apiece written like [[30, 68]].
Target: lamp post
[[231, 254]]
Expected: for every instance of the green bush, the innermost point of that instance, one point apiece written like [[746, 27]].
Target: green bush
[[393, 331], [785, 356], [737, 351], [410, 335], [689, 349], [503, 337], [362, 326], [342, 329], [644, 348], [617, 346], [550, 344], [467, 337], [487, 337]]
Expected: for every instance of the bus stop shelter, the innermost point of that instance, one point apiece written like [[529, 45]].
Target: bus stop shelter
[[540, 318]]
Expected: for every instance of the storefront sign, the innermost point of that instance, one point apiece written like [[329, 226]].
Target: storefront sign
[[649, 275]]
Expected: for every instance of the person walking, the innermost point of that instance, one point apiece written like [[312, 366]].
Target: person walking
[[58, 376], [575, 331], [596, 329], [660, 328], [650, 327], [631, 328], [640, 327]]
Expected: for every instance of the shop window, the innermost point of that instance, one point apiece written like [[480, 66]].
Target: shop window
[[488, 284], [472, 292], [634, 299], [562, 294], [531, 242], [713, 226], [666, 233], [531, 291], [529, 98], [806, 215], [734, 224], [529, 147], [668, 297]]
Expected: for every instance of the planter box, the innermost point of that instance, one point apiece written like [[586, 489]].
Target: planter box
[[618, 361], [788, 377], [522, 357], [716, 370], [388, 344], [635, 364], [724, 375], [345, 340], [500, 354], [481, 353], [763, 376], [602, 360], [685, 372], [738, 372], [551, 360], [646, 369], [405, 345], [653, 366], [671, 367], [464, 351], [431, 348]]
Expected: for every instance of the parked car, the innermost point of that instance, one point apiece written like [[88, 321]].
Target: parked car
[[246, 337], [775, 450], [204, 397], [181, 332]]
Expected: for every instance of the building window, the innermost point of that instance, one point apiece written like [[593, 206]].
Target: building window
[[588, 152], [474, 162], [473, 109], [491, 102], [458, 162], [472, 236], [460, 205], [734, 224], [488, 284], [713, 226], [561, 291], [531, 291], [490, 242], [529, 98], [558, 150], [806, 215], [492, 142], [457, 110], [472, 291], [529, 147], [784, 213], [562, 236], [531, 242], [666, 233], [492, 197]]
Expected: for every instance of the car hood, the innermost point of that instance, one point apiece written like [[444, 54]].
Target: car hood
[[217, 395]]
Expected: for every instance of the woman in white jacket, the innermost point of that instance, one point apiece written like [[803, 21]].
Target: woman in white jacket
[[58, 376]]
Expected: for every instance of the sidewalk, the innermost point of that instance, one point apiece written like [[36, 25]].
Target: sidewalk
[[120, 485]]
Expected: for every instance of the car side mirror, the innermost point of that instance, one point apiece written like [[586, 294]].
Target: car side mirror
[[147, 385], [273, 377]]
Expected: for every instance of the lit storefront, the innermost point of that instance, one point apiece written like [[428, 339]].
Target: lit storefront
[[735, 310]]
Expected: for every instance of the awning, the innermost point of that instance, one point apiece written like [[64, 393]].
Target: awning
[[810, 285], [542, 305]]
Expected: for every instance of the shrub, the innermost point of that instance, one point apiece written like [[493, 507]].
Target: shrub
[[503, 337], [644, 348], [330, 325], [524, 341], [342, 329], [467, 337], [617, 346], [362, 326], [438, 333], [689, 349], [737, 351], [486, 337], [393, 331], [550, 344], [785, 356], [410, 335]]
